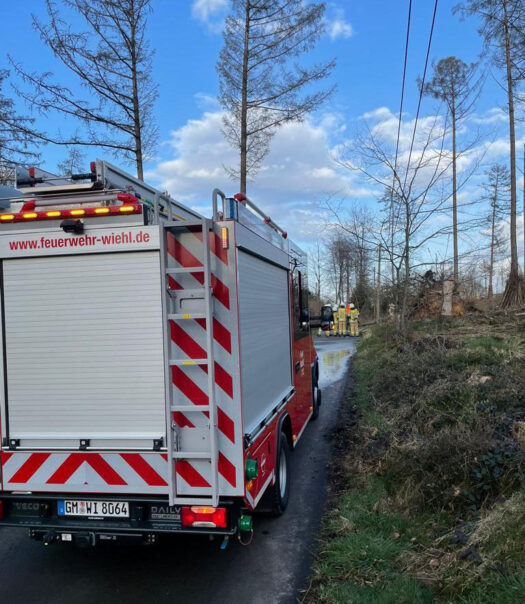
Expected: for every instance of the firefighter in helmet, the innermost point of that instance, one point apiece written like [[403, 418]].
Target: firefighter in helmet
[[354, 318], [341, 320]]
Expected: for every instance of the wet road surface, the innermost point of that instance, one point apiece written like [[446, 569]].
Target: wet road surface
[[188, 569]]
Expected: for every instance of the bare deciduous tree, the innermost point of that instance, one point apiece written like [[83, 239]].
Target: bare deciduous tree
[[74, 162], [350, 252], [261, 85], [17, 141], [497, 190], [503, 30], [454, 83], [316, 267], [414, 195], [110, 59], [338, 264]]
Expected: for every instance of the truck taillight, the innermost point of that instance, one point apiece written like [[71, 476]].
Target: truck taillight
[[203, 517], [1, 510]]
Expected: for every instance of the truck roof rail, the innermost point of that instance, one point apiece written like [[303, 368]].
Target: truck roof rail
[[242, 198], [106, 181]]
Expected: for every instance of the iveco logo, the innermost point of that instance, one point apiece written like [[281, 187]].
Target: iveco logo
[[27, 507]]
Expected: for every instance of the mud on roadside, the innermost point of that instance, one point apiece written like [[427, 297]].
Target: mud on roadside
[[343, 439]]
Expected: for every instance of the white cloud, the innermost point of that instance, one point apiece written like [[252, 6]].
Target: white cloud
[[206, 101], [210, 12], [502, 264], [297, 175], [383, 125], [492, 116], [499, 149], [380, 113], [338, 26]]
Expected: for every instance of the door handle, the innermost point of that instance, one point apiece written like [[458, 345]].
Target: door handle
[[298, 367]]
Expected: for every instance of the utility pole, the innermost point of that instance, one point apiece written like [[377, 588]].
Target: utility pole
[[378, 285]]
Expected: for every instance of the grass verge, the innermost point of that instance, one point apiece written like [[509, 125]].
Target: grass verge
[[428, 500]]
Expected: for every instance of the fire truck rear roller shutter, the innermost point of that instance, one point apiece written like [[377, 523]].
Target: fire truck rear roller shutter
[[84, 347]]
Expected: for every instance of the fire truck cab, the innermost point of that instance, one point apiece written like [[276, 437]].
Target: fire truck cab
[[157, 366]]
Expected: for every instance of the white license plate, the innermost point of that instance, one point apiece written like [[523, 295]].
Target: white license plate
[[100, 509]]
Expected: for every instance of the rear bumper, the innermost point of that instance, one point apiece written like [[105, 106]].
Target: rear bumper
[[148, 516]]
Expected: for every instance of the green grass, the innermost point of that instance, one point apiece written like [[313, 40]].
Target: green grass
[[435, 447], [497, 589], [487, 342], [358, 561]]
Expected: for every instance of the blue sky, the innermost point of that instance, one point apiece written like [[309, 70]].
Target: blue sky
[[369, 61], [367, 38]]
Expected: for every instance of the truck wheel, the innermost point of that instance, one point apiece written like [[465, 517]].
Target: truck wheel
[[280, 491], [316, 402]]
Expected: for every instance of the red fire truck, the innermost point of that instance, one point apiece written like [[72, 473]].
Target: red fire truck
[[158, 366]]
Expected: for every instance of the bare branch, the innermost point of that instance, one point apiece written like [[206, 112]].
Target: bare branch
[[111, 61]]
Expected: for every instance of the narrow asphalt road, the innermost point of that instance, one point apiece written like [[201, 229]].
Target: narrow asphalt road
[[188, 570]]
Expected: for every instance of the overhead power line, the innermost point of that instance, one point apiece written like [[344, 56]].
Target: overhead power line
[[391, 219], [421, 89], [403, 84]]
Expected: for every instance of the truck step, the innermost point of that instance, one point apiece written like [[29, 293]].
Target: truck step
[[191, 455], [185, 269], [186, 315], [187, 362], [188, 409], [194, 294], [186, 500]]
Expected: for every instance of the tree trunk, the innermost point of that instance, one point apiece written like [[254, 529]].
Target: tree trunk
[[244, 102], [391, 226], [341, 288], [490, 292], [513, 295], [454, 199], [378, 286], [137, 129], [318, 270], [347, 281], [404, 307]]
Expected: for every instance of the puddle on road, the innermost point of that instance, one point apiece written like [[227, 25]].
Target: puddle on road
[[333, 361]]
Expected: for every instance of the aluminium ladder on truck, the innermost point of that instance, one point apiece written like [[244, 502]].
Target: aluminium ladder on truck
[[202, 303]]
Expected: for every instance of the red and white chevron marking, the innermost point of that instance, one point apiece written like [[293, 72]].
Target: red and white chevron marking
[[188, 341], [86, 472]]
